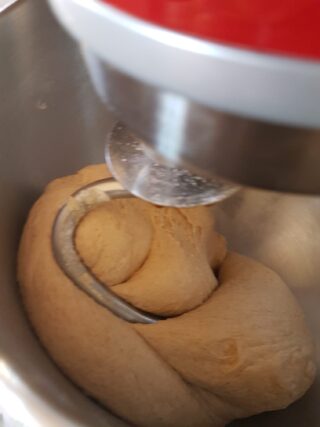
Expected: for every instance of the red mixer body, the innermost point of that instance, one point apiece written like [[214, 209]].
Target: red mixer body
[[286, 27]]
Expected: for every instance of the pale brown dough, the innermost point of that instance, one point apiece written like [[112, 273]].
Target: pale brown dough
[[237, 346]]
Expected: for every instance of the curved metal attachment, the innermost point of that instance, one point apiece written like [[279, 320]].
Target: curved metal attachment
[[63, 232], [150, 177]]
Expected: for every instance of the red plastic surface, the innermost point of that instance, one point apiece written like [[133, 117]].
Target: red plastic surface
[[290, 27]]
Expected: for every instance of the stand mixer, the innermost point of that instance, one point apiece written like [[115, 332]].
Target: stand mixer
[[228, 90], [277, 229]]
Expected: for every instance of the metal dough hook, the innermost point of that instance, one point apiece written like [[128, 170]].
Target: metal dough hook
[[63, 233], [135, 167]]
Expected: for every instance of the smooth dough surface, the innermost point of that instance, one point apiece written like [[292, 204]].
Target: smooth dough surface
[[237, 344]]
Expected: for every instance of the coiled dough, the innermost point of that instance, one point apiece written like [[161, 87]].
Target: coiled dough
[[234, 343]]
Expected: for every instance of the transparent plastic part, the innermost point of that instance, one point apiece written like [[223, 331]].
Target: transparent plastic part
[[136, 168]]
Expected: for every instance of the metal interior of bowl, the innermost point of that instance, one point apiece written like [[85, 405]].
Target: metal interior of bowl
[[52, 125]]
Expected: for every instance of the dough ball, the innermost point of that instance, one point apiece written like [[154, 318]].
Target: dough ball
[[237, 345]]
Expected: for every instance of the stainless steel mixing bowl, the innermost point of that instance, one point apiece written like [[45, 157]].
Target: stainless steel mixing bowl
[[52, 124]]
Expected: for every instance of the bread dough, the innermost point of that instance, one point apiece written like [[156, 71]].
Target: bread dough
[[159, 259], [237, 343]]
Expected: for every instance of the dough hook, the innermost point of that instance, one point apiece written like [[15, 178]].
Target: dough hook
[[134, 165], [63, 233]]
